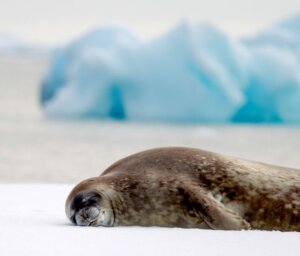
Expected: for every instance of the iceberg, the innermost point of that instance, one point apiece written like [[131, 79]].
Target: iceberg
[[273, 88], [193, 73]]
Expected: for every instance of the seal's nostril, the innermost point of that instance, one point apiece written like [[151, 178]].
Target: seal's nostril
[[84, 214], [89, 213]]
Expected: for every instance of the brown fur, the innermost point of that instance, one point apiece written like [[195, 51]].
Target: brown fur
[[192, 188]]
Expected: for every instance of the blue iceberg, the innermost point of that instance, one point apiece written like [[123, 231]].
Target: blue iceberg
[[194, 73]]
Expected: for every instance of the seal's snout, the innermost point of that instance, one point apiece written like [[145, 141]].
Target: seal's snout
[[84, 209], [87, 216]]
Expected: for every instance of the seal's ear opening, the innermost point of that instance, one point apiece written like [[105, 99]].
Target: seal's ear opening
[[83, 200]]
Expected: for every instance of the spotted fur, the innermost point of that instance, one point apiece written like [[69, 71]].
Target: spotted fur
[[193, 188]]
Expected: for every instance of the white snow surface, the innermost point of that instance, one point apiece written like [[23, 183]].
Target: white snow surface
[[33, 222]]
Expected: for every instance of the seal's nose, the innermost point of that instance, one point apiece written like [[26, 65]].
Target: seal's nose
[[81, 208], [84, 213], [86, 216]]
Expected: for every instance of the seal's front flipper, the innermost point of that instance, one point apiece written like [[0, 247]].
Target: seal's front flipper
[[213, 212]]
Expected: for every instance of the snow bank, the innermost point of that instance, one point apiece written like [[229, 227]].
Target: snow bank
[[33, 222], [194, 73]]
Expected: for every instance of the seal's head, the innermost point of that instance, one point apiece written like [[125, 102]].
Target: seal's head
[[87, 205]]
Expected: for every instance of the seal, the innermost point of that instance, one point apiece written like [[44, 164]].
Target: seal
[[189, 188]]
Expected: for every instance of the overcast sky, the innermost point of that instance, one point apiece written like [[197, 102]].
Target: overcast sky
[[56, 21]]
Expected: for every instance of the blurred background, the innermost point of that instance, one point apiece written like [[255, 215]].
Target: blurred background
[[84, 83]]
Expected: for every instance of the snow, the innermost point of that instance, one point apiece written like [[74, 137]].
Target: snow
[[193, 73], [33, 222]]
